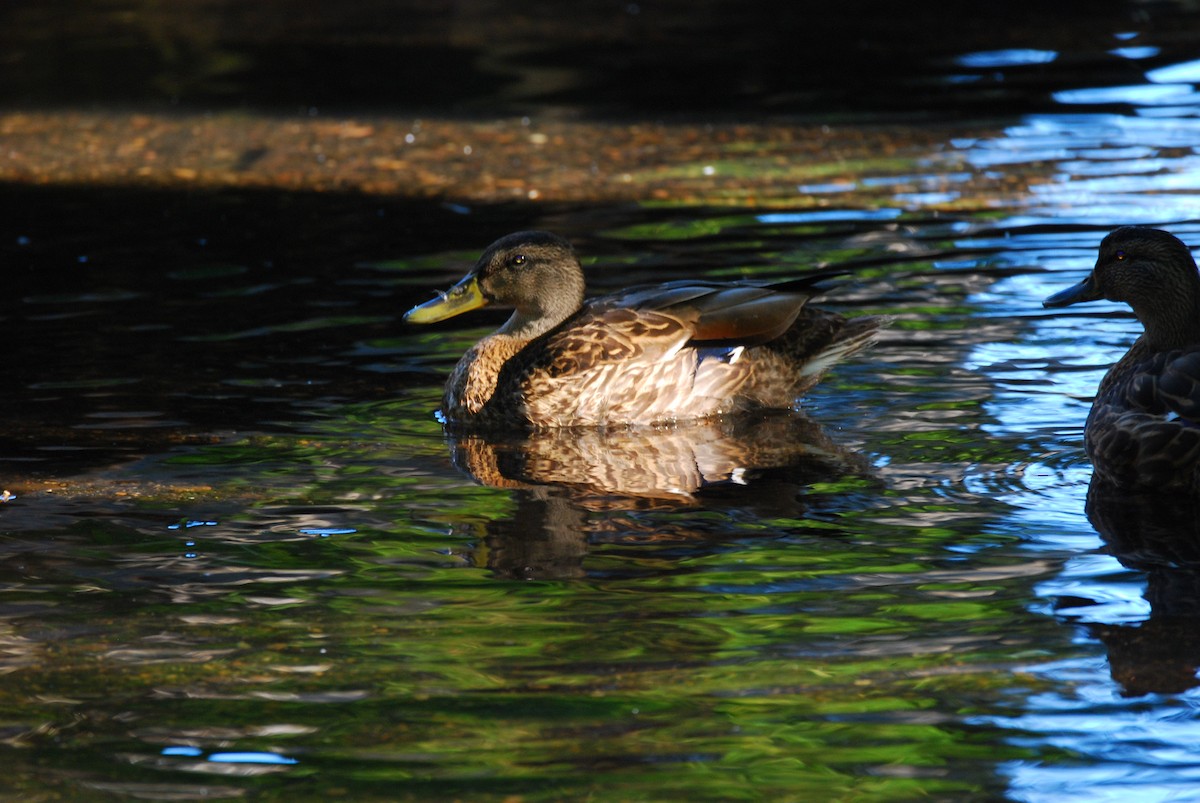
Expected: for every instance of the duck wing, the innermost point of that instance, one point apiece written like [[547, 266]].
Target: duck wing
[[1145, 432], [598, 334], [1169, 384], [619, 357], [654, 321], [734, 313]]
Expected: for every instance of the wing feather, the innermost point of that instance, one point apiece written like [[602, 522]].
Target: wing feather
[[610, 335], [745, 313]]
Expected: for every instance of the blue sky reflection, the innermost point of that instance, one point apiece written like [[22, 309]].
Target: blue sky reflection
[[1015, 57]]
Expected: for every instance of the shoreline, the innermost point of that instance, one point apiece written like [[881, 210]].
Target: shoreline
[[477, 161]]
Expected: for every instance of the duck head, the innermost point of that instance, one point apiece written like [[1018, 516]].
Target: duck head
[[1149, 269], [534, 271]]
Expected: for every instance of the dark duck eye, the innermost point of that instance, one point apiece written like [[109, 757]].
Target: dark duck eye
[[517, 260]]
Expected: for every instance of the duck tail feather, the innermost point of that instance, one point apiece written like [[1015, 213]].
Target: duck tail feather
[[858, 334]]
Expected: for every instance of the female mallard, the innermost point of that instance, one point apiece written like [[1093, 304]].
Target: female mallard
[[1144, 428], [682, 350]]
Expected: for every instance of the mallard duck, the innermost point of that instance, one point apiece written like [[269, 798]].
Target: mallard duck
[[1143, 431], [653, 354]]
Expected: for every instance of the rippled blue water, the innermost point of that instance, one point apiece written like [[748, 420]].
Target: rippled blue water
[[1107, 170]]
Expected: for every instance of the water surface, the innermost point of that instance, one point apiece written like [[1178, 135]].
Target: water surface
[[242, 559]]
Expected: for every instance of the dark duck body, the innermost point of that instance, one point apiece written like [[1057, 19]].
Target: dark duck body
[[678, 351], [1143, 432]]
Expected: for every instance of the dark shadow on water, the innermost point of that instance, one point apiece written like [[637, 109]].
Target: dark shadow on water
[[572, 486], [138, 318], [605, 57], [1158, 535]]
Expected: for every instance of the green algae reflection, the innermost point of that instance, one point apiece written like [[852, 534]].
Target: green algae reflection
[[694, 651]]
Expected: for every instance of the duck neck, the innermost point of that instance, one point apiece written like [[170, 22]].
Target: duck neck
[[539, 315], [1176, 327]]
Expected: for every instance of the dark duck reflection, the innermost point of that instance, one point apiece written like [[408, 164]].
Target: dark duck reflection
[[574, 487], [679, 351], [1143, 432], [1158, 534]]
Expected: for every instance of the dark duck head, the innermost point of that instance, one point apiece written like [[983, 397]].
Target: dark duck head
[[1153, 272]]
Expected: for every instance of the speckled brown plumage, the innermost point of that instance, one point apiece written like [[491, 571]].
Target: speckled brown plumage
[[1143, 431], [678, 351]]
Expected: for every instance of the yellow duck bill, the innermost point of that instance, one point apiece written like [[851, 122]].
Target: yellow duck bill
[[462, 297]]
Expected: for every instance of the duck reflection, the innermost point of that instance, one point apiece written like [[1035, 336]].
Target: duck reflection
[[1158, 534], [564, 478]]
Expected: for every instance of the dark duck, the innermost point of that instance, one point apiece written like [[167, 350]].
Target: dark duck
[[1143, 432]]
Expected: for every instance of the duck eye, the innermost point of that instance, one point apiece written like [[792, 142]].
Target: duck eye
[[517, 260]]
